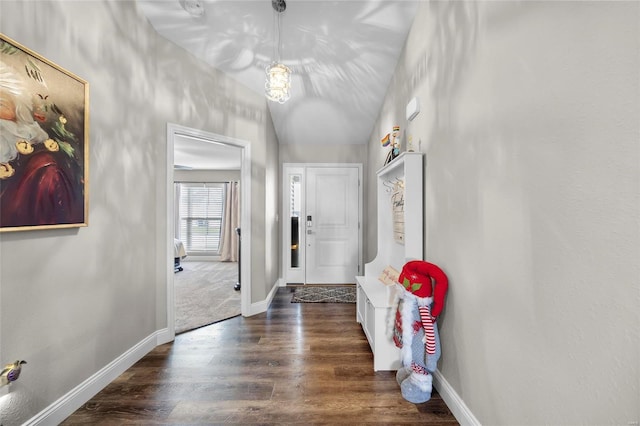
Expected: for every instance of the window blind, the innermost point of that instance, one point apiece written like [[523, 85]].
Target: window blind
[[201, 210]]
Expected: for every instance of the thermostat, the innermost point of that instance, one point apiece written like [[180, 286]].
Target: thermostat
[[413, 108]]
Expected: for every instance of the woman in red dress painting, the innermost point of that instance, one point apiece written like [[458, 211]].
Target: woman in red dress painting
[[40, 175]]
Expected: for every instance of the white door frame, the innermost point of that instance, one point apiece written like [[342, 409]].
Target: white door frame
[[288, 168], [174, 130]]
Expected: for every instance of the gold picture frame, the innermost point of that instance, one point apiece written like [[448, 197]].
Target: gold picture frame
[[44, 142]]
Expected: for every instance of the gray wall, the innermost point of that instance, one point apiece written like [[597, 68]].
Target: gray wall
[[530, 127], [325, 153], [72, 301], [206, 175]]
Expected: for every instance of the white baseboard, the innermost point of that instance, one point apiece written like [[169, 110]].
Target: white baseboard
[[262, 306], [59, 410], [458, 408], [62, 408], [164, 336]]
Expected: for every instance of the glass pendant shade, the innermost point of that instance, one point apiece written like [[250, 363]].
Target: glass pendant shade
[[278, 83]]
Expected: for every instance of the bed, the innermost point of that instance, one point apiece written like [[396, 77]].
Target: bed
[[178, 254]]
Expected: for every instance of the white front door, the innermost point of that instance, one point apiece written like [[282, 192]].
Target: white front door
[[331, 224]]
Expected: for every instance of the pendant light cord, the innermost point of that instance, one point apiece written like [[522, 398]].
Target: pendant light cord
[[279, 6], [279, 36]]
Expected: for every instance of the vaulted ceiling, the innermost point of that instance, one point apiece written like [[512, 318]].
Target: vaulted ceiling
[[342, 55]]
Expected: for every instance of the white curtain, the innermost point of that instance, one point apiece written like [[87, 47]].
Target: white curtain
[[231, 221]]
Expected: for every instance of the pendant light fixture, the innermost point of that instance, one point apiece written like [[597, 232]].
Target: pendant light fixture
[[278, 84]]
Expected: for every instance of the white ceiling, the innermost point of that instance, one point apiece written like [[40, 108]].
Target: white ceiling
[[342, 55]]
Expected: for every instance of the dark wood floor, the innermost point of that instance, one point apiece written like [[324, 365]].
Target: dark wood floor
[[304, 363]]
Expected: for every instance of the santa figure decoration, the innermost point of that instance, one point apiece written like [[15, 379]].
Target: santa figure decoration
[[423, 287]]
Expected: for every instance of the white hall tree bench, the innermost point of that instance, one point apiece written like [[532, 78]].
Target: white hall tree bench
[[400, 239]]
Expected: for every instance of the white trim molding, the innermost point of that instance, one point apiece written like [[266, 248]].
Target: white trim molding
[[62, 408], [262, 306], [245, 216], [458, 408]]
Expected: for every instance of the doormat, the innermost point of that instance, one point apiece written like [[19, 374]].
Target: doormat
[[321, 294]]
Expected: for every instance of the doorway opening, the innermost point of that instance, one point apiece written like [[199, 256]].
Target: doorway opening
[[207, 220], [176, 134], [322, 232]]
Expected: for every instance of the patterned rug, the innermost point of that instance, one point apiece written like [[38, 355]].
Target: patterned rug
[[328, 294]]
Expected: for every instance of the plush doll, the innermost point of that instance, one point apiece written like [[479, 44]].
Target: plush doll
[[422, 289], [394, 141]]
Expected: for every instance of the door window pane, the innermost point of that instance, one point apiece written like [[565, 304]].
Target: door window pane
[[294, 217]]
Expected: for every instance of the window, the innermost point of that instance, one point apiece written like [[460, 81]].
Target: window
[[200, 212]]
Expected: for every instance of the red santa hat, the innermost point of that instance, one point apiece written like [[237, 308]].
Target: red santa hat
[[416, 277]]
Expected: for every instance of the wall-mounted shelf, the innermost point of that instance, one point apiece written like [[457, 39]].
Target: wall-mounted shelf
[[374, 300]]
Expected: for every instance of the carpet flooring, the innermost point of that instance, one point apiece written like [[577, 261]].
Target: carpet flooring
[[204, 294], [324, 294]]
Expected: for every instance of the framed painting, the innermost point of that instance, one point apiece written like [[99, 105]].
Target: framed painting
[[44, 142]]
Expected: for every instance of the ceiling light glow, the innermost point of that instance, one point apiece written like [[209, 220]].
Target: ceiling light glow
[[278, 84]]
